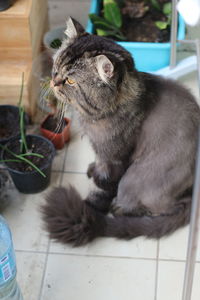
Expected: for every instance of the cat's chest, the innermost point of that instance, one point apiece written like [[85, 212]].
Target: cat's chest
[[108, 141]]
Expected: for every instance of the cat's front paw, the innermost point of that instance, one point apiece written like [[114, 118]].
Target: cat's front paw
[[90, 170], [99, 171]]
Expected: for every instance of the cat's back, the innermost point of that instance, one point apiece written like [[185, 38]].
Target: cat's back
[[170, 101], [172, 117]]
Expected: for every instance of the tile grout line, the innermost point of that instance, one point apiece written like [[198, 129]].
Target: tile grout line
[[44, 272], [103, 256], [156, 274], [49, 241]]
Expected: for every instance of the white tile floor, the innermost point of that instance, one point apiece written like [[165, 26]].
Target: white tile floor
[[140, 269], [105, 269]]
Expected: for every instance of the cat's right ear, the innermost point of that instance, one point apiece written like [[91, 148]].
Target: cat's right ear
[[74, 28], [105, 67]]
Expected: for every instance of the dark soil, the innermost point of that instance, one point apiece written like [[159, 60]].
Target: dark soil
[[139, 17], [54, 124], [9, 123], [35, 145], [144, 29]]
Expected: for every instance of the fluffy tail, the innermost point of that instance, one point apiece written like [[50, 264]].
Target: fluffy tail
[[69, 219]]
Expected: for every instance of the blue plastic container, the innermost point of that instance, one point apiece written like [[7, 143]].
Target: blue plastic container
[[9, 289], [148, 57]]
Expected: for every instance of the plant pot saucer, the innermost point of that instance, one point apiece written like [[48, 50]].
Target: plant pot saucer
[[57, 138]]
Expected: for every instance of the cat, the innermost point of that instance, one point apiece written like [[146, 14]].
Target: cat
[[143, 129]]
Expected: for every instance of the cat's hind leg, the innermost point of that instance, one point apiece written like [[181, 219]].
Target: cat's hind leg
[[106, 175], [100, 200]]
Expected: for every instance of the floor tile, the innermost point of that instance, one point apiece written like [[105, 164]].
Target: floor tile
[[137, 248], [79, 155], [170, 280], [80, 181], [30, 268], [196, 285], [24, 219], [175, 245], [59, 159], [98, 278]]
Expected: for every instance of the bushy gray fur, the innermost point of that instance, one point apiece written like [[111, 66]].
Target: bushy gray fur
[[143, 129]]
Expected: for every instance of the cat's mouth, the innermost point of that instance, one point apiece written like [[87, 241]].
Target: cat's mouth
[[59, 94]]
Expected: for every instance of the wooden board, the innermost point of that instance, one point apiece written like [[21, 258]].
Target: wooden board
[[21, 31]]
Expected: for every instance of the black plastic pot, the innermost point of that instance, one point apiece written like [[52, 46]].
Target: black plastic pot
[[9, 118], [31, 182], [5, 4]]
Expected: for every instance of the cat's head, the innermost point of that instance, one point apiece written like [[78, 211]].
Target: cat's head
[[88, 71]]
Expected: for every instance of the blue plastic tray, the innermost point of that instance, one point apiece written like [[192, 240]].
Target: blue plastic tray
[[148, 57]]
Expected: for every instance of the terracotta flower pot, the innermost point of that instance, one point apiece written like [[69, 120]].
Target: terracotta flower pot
[[57, 137]]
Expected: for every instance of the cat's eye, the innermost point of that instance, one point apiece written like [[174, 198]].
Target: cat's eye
[[70, 81]]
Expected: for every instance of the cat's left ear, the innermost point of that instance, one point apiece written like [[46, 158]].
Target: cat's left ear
[[74, 28], [105, 67]]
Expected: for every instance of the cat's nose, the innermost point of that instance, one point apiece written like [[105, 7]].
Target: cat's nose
[[57, 81]]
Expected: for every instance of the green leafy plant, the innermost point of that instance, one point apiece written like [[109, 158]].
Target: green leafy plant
[[166, 10], [155, 4], [56, 43], [111, 22], [24, 151]]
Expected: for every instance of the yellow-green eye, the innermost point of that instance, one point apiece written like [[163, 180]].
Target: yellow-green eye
[[70, 81]]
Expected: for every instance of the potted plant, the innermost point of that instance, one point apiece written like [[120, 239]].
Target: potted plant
[[124, 19], [5, 4], [55, 126], [52, 39], [28, 159]]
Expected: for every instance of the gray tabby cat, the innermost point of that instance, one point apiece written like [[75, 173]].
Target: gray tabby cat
[[143, 129]]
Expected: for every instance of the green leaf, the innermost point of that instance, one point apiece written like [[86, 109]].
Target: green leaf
[[155, 4], [116, 34], [32, 154], [161, 24], [102, 32], [103, 25], [112, 13], [21, 158], [167, 8], [10, 160], [96, 20], [32, 165]]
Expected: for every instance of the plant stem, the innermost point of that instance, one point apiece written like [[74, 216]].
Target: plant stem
[[23, 143], [10, 160], [32, 154], [21, 91], [32, 165], [21, 158]]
